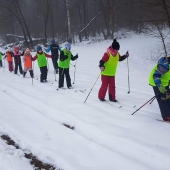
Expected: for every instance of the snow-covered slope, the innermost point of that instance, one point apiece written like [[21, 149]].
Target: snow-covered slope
[[105, 136]]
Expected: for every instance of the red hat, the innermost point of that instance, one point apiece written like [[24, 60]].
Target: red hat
[[16, 48]]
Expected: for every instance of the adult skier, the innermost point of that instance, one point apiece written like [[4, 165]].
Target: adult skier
[[54, 48]]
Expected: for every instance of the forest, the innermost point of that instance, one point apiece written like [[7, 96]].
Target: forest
[[79, 20]]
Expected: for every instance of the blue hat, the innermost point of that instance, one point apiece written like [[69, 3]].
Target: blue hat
[[52, 41], [68, 46], [39, 48]]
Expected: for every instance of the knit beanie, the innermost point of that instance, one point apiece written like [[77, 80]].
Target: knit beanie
[[39, 48], [27, 50], [115, 45], [52, 41], [16, 48]]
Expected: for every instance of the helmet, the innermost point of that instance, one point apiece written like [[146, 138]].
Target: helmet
[[68, 46]]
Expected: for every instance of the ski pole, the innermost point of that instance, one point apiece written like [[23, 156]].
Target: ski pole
[[144, 104], [74, 72], [47, 66], [64, 67], [4, 65], [92, 88], [152, 100], [33, 73], [55, 74], [128, 75]]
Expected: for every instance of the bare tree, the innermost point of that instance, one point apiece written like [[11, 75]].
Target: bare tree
[[14, 9], [69, 22]]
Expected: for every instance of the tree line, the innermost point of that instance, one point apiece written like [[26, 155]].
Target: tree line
[[67, 19]]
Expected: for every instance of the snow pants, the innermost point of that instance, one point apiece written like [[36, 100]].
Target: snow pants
[[164, 105], [55, 62], [107, 82], [43, 76], [62, 73], [31, 73], [1, 63], [10, 66], [18, 64]]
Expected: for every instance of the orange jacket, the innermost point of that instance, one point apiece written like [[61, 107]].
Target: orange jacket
[[9, 56], [27, 60]]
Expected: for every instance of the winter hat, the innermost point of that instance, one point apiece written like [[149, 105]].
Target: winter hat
[[115, 45], [68, 46], [27, 50], [52, 41], [39, 48], [9, 49], [16, 48]]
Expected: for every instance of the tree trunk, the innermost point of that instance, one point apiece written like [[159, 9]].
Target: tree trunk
[[68, 21], [25, 24]]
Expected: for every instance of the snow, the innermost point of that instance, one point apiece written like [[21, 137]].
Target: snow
[[105, 136]]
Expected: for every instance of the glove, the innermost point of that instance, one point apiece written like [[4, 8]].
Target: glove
[[127, 54], [102, 68], [162, 89], [76, 56], [65, 57], [166, 97]]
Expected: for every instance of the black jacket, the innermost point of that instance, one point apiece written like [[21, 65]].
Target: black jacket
[[54, 49]]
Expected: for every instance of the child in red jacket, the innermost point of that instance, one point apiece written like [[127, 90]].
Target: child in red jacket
[[108, 66]]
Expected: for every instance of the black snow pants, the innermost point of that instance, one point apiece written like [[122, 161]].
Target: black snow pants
[[43, 76], [55, 62], [62, 73], [164, 105], [1, 63], [18, 64]]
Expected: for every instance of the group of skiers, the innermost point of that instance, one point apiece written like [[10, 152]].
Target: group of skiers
[[159, 77], [61, 64]]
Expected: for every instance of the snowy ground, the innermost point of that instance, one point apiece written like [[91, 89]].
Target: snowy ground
[[106, 137]]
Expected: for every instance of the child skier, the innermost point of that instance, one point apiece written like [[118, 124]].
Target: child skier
[[42, 63], [64, 65], [17, 59], [108, 66], [28, 63], [160, 81], [9, 58], [1, 59], [54, 48]]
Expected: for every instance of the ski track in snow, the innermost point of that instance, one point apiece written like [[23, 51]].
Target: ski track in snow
[[104, 133]]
